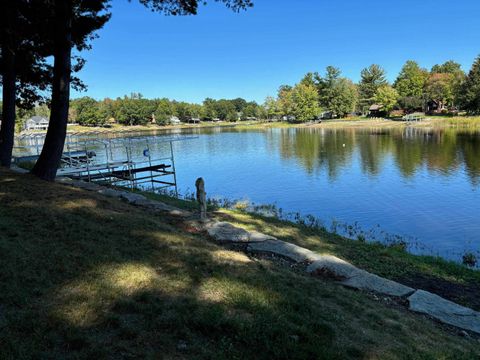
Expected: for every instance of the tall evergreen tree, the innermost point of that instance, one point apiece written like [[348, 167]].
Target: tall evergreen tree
[[23, 69], [470, 89], [338, 95], [371, 79]]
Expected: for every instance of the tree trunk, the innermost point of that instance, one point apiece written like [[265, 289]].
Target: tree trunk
[[7, 130], [49, 160]]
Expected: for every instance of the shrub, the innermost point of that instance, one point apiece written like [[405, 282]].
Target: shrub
[[469, 259]]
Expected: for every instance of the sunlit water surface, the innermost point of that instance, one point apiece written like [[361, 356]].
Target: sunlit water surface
[[420, 184]]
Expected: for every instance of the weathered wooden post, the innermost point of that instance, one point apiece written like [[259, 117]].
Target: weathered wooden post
[[201, 198]]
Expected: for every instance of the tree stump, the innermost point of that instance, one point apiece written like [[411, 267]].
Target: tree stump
[[201, 198]]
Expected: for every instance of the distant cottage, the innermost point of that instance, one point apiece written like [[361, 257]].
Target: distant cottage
[[36, 123], [376, 110], [174, 120]]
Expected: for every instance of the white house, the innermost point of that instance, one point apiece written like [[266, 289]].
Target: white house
[[174, 120], [36, 123]]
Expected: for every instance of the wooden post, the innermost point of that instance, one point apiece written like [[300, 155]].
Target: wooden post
[[201, 198]]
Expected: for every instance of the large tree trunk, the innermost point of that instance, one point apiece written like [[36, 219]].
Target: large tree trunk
[[7, 130], [49, 160]]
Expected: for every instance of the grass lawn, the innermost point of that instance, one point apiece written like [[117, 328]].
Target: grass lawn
[[85, 276]]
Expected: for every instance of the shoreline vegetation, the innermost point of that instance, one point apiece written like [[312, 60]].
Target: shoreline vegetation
[[466, 122], [93, 276], [454, 281]]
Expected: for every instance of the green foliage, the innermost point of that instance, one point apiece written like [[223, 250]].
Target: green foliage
[[447, 86], [449, 67], [271, 108], [251, 110], [411, 103], [371, 79], [134, 110], [239, 104], [439, 87], [226, 110], [285, 100], [305, 102], [336, 94], [209, 109], [165, 109], [470, 89], [411, 80], [88, 112], [386, 96]]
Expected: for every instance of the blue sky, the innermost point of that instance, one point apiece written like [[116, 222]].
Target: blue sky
[[221, 54]]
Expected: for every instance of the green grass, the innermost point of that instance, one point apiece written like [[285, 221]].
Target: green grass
[[88, 277], [447, 278]]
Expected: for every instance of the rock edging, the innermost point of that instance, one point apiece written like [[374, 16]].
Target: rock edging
[[129, 197], [419, 301], [348, 275]]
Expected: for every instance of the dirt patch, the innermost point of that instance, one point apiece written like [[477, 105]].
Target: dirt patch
[[464, 294]]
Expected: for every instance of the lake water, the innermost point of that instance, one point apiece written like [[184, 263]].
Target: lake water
[[422, 185]]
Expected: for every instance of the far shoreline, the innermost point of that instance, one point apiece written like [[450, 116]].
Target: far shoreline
[[470, 123]]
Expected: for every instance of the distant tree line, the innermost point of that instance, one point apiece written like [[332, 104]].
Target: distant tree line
[[444, 89], [137, 110]]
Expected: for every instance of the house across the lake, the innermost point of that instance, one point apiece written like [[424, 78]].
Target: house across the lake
[[36, 123], [435, 106], [376, 110], [174, 120]]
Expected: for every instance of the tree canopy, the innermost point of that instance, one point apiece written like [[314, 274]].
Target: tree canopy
[[372, 78], [470, 89]]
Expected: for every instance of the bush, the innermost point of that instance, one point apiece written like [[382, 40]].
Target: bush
[[469, 259]]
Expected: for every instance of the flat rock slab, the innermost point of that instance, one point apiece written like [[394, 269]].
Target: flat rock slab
[[364, 280], [132, 197], [226, 232], [18, 169], [255, 236], [111, 192], [159, 206], [64, 180], [444, 310], [288, 250], [333, 265]]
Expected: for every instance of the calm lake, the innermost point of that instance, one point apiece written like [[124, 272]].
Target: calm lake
[[422, 185]]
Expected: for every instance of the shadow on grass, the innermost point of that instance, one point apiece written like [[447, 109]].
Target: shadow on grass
[[83, 276], [447, 279]]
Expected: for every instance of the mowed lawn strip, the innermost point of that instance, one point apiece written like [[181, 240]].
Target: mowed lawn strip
[[85, 276]]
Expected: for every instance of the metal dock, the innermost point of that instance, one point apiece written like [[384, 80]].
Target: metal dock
[[121, 159]]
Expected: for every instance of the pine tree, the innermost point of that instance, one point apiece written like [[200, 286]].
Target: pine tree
[[371, 79], [470, 89]]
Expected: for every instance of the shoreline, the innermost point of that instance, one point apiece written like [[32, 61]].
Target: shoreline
[[98, 267], [450, 279], [468, 123]]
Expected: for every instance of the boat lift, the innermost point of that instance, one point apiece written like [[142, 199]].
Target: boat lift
[[120, 159]]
